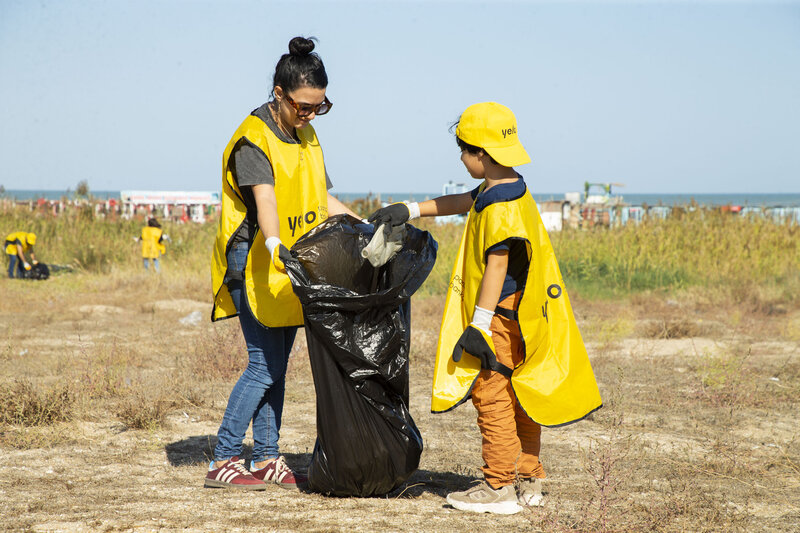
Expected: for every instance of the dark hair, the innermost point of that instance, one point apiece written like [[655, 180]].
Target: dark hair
[[472, 149], [153, 223], [301, 67]]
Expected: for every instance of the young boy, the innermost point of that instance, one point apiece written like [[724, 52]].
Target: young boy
[[507, 310]]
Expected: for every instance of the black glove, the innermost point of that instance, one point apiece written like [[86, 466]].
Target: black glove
[[284, 254], [477, 343], [281, 257], [391, 215]]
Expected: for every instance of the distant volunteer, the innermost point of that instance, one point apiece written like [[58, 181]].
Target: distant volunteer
[[18, 244], [274, 189], [152, 239]]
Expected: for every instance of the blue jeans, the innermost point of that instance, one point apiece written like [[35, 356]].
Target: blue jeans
[[258, 395], [14, 262], [155, 264]]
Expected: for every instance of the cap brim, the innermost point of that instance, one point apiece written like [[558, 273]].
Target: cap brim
[[509, 156]]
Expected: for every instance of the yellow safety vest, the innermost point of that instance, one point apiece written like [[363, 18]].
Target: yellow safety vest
[[151, 248], [302, 199], [22, 237], [554, 384]]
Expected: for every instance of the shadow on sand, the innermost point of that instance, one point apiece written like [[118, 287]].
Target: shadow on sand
[[199, 449]]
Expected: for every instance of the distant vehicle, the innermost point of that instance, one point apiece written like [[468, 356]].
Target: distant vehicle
[[604, 196], [452, 188]]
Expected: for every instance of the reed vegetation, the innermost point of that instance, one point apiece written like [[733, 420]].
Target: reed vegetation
[[701, 248], [732, 256], [742, 257], [78, 240]]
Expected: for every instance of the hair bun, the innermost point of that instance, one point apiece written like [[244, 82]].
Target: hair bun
[[300, 46]]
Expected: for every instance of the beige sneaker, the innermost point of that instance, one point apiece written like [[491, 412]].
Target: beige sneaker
[[529, 492], [484, 499]]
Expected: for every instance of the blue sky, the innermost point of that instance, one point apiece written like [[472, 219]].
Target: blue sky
[[665, 97]]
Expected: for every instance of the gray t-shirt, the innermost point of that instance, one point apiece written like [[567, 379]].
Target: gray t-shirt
[[250, 166]]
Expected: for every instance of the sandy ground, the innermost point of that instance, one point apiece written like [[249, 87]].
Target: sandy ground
[[698, 433]]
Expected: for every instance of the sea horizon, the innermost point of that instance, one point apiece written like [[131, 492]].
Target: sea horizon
[[652, 199]]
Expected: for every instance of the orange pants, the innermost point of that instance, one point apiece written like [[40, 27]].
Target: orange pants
[[511, 440]]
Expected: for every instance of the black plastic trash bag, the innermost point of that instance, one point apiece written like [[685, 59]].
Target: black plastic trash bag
[[357, 322], [38, 271]]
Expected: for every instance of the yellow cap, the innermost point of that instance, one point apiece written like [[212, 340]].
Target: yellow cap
[[493, 127], [31, 238]]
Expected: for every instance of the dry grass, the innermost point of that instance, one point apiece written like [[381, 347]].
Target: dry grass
[[699, 431], [218, 356], [24, 405], [146, 407], [679, 328]]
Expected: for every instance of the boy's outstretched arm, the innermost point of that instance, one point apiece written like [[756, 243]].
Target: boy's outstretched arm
[[452, 204], [397, 214]]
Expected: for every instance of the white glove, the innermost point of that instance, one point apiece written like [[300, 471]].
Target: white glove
[[482, 319], [413, 210], [272, 243], [274, 246]]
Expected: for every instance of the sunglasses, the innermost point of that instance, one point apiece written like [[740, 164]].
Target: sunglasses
[[303, 110]]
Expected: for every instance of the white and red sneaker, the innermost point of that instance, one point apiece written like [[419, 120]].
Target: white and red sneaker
[[233, 475], [278, 472]]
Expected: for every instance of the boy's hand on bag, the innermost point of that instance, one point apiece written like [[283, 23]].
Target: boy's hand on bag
[[26, 265], [393, 215], [477, 343]]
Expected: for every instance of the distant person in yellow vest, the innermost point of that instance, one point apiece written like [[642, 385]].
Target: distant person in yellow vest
[[18, 244], [274, 189], [508, 337], [153, 246]]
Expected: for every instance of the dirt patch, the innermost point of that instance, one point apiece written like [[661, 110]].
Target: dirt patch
[[100, 309], [180, 306], [699, 431]]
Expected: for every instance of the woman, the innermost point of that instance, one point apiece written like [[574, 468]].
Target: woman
[[275, 189]]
